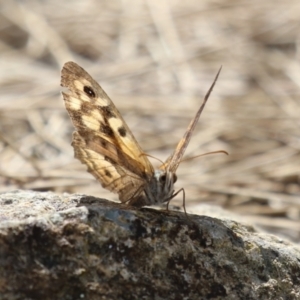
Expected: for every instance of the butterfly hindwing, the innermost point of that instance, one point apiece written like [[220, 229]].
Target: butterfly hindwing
[[112, 176]]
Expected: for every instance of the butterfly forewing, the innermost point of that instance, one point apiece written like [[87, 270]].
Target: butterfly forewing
[[95, 115]]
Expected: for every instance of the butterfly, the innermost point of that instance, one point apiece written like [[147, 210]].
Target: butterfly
[[103, 141]]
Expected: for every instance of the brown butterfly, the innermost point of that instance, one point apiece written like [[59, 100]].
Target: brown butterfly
[[104, 143]]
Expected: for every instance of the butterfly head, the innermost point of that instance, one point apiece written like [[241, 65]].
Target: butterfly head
[[161, 187]]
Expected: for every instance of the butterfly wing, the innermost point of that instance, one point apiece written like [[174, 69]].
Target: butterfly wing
[[102, 139], [173, 161]]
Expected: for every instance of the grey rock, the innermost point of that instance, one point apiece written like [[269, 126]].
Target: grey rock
[[81, 247]]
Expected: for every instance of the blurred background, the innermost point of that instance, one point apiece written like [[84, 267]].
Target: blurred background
[[156, 60]]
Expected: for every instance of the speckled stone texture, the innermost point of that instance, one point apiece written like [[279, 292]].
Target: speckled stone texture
[[80, 247]]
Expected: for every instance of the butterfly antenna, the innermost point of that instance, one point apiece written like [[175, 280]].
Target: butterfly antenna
[[212, 152], [145, 154]]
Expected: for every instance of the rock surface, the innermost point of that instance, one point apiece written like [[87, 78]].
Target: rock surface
[[80, 247]]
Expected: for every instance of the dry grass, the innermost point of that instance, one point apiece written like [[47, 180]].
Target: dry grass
[[156, 59]]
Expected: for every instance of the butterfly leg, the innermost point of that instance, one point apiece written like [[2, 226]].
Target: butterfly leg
[[174, 195]]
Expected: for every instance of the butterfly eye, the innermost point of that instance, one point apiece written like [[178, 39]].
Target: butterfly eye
[[89, 91], [174, 178], [163, 178]]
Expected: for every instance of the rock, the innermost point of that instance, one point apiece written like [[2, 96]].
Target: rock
[[80, 247]]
